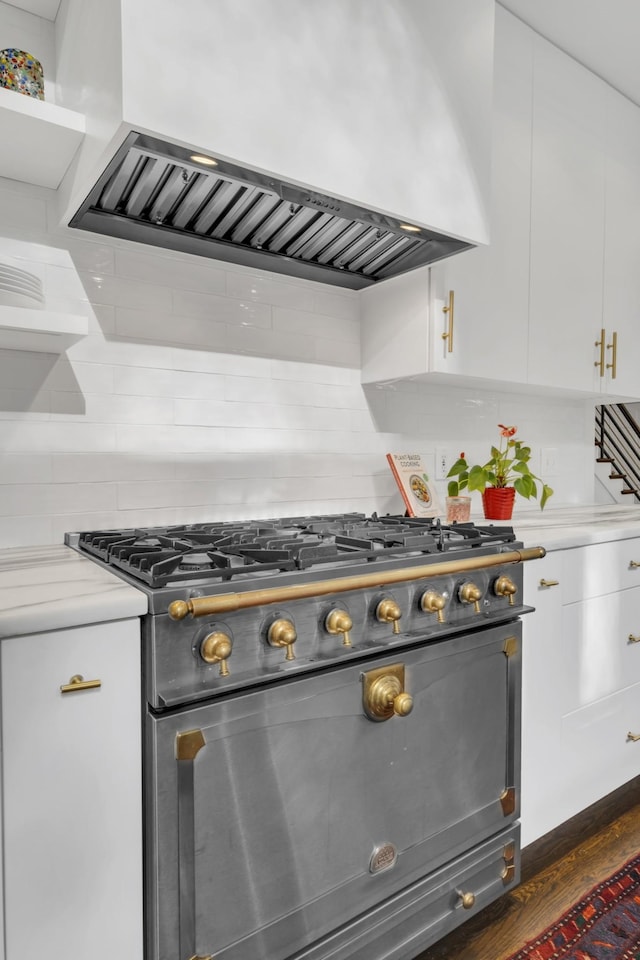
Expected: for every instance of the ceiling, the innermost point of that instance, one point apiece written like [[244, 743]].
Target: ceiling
[[602, 36], [42, 8]]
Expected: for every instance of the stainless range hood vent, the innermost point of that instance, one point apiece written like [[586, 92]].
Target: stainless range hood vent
[[156, 193]]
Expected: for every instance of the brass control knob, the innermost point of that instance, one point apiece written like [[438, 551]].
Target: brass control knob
[[432, 602], [505, 587], [282, 633], [467, 899], [388, 611], [216, 648], [470, 593], [339, 621], [386, 698]]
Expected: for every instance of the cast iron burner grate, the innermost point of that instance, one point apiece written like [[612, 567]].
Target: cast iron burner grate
[[176, 554]]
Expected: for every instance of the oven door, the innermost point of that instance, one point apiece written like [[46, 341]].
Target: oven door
[[278, 815]]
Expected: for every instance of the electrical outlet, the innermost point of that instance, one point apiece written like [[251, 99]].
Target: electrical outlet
[[443, 462]]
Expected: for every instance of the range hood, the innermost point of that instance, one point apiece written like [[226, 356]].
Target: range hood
[[159, 193]]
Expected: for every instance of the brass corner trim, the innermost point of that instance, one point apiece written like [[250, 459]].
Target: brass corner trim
[[508, 800], [188, 745], [510, 646], [509, 852]]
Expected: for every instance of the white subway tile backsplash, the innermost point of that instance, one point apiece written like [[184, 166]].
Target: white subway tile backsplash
[[207, 390], [158, 267]]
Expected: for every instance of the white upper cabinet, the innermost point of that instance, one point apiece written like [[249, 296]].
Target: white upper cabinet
[[491, 284], [488, 287], [621, 311], [567, 220], [386, 104]]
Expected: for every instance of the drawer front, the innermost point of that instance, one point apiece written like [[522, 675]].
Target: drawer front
[[600, 568], [600, 649], [598, 754], [420, 915]]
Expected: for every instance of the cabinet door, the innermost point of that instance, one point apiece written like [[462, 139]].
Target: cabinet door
[[567, 221], [72, 794], [542, 697], [622, 246], [491, 284]]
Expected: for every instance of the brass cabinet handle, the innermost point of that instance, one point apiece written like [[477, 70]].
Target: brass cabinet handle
[[549, 583], [613, 346], [600, 343], [78, 683], [449, 334], [633, 639], [633, 736], [634, 564]]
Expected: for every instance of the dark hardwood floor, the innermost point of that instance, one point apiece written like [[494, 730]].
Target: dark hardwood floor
[[557, 870]]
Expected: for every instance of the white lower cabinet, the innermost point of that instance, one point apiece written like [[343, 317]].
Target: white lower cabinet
[[581, 681], [72, 794]]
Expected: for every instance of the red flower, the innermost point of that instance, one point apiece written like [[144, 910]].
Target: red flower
[[507, 432]]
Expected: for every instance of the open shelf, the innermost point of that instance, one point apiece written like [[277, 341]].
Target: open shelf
[[39, 139], [39, 330]]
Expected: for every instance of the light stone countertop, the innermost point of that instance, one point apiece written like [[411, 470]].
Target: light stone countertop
[[54, 587], [563, 527]]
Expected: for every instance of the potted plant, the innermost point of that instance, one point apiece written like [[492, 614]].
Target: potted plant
[[506, 473]]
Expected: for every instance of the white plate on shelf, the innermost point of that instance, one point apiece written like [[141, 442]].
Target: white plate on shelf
[[33, 283], [16, 288], [10, 299], [18, 285]]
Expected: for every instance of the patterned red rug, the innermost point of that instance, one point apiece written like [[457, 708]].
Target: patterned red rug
[[605, 925]]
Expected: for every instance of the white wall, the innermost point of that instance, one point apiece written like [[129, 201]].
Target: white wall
[[205, 391]]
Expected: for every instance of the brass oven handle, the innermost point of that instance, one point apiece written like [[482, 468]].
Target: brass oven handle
[[600, 343], [227, 602], [549, 583], [449, 334], [78, 683], [613, 346]]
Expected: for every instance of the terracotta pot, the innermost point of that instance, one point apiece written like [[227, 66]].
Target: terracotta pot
[[498, 502]]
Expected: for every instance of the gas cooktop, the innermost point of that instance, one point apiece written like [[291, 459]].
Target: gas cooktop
[[160, 556]]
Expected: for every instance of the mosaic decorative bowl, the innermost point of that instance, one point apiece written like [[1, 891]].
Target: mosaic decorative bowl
[[21, 72]]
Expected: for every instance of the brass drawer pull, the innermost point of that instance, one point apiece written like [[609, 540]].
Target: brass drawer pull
[[78, 683], [549, 583], [634, 564], [467, 899], [633, 736], [633, 639]]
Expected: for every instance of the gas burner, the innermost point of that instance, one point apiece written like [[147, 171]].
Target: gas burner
[[161, 556]]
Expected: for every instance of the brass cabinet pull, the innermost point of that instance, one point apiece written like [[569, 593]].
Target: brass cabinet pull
[[634, 564], [633, 639], [613, 346], [633, 736], [600, 343], [549, 583], [449, 334], [78, 683]]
